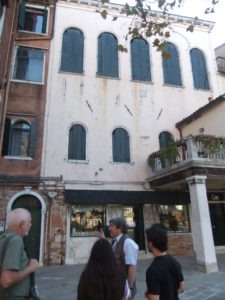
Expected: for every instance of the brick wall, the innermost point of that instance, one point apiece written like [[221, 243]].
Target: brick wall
[[180, 244]]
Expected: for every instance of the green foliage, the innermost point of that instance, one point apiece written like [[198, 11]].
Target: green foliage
[[212, 143], [150, 24], [121, 48]]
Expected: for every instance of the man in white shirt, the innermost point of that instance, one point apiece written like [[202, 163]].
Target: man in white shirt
[[125, 250]]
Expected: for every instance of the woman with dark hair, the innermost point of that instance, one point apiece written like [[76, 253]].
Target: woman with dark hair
[[101, 278]]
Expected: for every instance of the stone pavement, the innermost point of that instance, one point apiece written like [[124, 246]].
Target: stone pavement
[[60, 282]]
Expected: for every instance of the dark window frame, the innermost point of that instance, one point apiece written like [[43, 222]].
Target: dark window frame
[[121, 146], [77, 143], [29, 65], [171, 66], [108, 60], [28, 18], [199, 69], [140, 60], [72, 55]]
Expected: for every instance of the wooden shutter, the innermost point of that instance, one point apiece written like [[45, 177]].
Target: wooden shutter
[[121, 145], [77, 143], [22, 14], [33, 137], [171, 66], [165, 138], [6, 137], [107, 55], [72, 51], [45, 19], [140, 60], [199, 70]]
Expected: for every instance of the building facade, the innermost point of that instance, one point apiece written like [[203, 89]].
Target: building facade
[[107, 111], [81, 120]]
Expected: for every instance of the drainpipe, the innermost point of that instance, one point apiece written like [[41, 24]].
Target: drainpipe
[[5, 95]]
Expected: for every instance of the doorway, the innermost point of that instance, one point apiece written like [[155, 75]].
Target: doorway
[[32, 241], [134, 219], [217, 215]]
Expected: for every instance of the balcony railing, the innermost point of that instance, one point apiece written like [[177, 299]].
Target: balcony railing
[[187, 149], [220, 64]]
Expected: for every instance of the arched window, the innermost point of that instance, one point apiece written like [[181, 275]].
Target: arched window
[[199, 70], [140, 61], [77, 143], [72, 51], [121, 145], [165, 138], [107, 55], [171, 66], [19, 139]]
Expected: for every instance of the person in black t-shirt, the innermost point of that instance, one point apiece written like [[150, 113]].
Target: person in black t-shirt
[[164, 276]]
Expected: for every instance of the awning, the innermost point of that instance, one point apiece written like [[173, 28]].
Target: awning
[[125, 197]]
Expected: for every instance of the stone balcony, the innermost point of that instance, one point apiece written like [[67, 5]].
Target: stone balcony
[[191, 158]]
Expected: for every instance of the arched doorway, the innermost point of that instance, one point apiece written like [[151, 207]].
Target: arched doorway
[[32, 241]]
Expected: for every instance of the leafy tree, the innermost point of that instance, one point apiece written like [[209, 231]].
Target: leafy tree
[[147, 23]]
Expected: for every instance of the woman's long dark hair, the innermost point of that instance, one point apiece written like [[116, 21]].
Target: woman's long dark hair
[[101, 279]]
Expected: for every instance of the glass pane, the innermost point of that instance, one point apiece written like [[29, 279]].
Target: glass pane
[[34, 19], [20, 139], [29, 64], [174, 217], [85, 220]]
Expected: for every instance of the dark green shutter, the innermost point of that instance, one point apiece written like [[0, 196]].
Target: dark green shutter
[[45, 19], [107, 55], [171, 66], [72, 51], [6, 137], [199, 70], [22, 14], [77, 143], [121, 145], [140, 60], [33, 137]]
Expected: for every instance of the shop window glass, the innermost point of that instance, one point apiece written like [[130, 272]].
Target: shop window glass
[[174, 217], [85, 220]]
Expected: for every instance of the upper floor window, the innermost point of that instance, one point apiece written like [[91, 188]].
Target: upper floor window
[[72, 51], [121, 145], [77, 143], [199, 70], [19, 138], [140, 61], [32, 18], [107, 55], [171, 66], [29, 64]]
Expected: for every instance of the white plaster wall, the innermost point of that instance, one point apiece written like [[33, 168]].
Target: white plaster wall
[[68, 93], [212, 121]]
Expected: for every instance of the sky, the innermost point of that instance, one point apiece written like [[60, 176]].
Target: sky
[[196, 8]]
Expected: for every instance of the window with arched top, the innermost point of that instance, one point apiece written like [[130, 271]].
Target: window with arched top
[[19, 138], [140, 60], [199, 69], [165, 138], [107, 55], [171, 66], [77, 142], [121, 145], [72, 51]]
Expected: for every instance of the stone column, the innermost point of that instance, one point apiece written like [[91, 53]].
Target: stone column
[[201, 225]]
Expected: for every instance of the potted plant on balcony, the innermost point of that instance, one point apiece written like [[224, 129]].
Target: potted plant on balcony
[[167, 155], [211, 143]]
